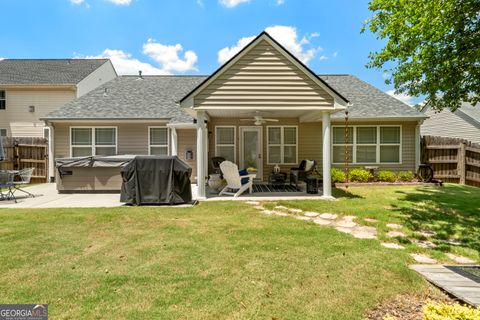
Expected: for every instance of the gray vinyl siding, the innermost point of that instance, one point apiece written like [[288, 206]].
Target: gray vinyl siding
[[448, 124], [263, 76]]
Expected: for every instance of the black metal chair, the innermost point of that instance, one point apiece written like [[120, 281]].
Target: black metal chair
[[6, 182], [300, 174], [25, 178], [215, 161]]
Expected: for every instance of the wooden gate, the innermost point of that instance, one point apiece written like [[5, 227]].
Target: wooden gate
[[452, 160], [23, 153]]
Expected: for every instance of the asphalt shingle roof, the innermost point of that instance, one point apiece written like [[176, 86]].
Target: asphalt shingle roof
[[46, 71], [473, 112], [155, 97], [131, 97], [368, 101]]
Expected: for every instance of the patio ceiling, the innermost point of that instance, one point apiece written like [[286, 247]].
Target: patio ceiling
[[302, 115]]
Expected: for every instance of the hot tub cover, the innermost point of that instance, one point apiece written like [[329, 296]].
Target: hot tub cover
[[63, 164], [156, 180]]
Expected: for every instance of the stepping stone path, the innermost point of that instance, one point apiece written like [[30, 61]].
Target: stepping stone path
[[460, 259], [370, 220], [281, 208], [425, 244], [302, 218], [328, 216], [344, 229], [259, 207], [394, 226], [295, 210], [281, 214], [364, 232], [453, 242], [426, 233], [423, 258], [395, 234], [322, 222], [311, 214], [268, 212], [346, 222], [253, 203], [392, 245]]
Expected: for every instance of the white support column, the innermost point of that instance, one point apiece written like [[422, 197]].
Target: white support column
[[327, 179], [174, 147], [201, 154]]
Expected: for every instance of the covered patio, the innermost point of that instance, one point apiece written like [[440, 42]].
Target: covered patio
[[263, 109]]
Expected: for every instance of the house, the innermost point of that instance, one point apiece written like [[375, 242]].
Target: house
[[261, 108], [31, 88], [463, 123]]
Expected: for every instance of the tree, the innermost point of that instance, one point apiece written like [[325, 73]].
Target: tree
[[433, 45]]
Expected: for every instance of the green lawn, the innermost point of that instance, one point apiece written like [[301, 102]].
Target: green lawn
[[222, 259]]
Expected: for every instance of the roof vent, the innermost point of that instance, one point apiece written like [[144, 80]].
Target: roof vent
[[105, 93], [140, 74]]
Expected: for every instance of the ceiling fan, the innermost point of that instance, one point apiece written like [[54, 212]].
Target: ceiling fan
[[259, 120]]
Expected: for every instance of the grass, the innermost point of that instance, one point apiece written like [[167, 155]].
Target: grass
[[452, 212], [217, 260]]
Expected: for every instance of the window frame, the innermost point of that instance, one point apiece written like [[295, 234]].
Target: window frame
[[282, 145], [93, 146], [227, 145], [378, 145], [4, 99], [6, 132], [158, 145]]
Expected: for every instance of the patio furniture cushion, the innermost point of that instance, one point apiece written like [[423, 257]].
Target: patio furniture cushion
[[243, 172], [309, 165]]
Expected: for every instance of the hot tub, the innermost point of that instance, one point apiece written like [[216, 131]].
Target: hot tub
[[93, 174]]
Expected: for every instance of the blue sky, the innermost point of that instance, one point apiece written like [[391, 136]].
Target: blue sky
[[189, 36]]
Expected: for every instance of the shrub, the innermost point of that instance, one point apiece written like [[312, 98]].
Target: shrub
[[386, 176], [338, 175], [444, 311], [360, 175], [405, 176]]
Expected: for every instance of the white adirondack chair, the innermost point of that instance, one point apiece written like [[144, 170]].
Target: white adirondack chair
[[234, 180]]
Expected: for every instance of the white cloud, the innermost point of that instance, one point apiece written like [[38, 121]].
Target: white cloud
[[77, 1], [226, 53], [405, 98], [200, 3], [285, 35], [335, 54], [125, 64], [232, 3], [280, 2], [121, 2], [323, 57], [167, 56]]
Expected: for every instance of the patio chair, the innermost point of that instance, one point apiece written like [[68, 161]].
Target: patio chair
[[301, 172], [6, 182], [234, 180], [25, 177]]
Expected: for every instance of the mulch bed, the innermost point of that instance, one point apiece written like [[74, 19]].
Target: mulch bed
[[407, 307]]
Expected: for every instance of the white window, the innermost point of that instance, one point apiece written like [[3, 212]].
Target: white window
[[93, 141], [158, 141], [3, 132], [3, 100], [282, 144], [367, 144], [225, 138]]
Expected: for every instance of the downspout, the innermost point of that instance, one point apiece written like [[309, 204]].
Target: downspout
[[51, 152]]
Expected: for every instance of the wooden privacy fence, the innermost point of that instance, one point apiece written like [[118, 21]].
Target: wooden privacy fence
[[452, 160], [26, 152]]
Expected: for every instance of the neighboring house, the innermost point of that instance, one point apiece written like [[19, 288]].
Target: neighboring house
[[226, 115], [464, 123], [31, 88]]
